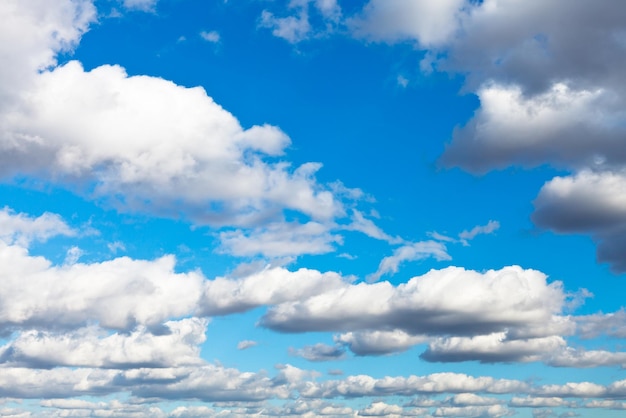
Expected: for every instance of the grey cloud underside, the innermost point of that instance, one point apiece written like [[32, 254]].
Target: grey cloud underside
[[536, 44], [549, 76], [589, 202], [418, 308], [578, 145], [411, 321]]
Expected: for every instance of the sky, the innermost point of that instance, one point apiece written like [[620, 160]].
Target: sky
[[229, 208]]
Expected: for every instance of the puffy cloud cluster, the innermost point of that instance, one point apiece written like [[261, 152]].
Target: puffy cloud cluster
[[549, 80], [178, 345], [448, 301], [142, 143]]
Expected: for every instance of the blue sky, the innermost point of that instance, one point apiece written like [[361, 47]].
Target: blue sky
[[312, 208]]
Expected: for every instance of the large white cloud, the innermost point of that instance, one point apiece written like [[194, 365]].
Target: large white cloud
[[116, 294], [449, 301], [138, 143], [163, 147]]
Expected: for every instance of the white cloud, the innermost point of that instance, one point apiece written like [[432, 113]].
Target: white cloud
[[478, 230], [570, 357], [297, 27], [409, 252], [368, 227], [591, 202], [92, 347], [429, 23], [611, 324], [117, 294], [442, 302], [365, 343], [319, 352], [330, 9], [32, 33], [212, 36], [472, 411], [144, 5], [21, 229], [268, 287], [280, 240], [293, 29], [245, 344], [492, 348], [543, 402], [362, 385], [561, 125], [381, 409], [470, 399], [605, 404]]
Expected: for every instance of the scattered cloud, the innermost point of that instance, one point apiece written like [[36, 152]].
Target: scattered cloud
[[245, 344], [479, 230], [409, 252], [143, 5], [212, 36], [297, 26], [280, 240], [21, 229]]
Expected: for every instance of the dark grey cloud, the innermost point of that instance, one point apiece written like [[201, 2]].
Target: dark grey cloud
[[588, 202]]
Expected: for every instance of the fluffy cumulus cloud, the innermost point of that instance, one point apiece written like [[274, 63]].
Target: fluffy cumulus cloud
[[92, 347], [365, 343], [118, 294], [98, 127], [156, 146], [132, 330], [448, 301], [33, 33], [271, 286], [563, 125]]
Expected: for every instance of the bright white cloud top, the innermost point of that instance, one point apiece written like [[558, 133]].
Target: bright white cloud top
[[312, 208]]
